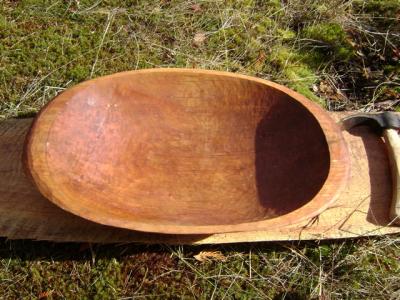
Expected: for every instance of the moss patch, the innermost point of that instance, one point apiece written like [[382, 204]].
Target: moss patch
[[333, 37]]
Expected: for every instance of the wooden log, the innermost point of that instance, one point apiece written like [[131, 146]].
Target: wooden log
[[361, 210]]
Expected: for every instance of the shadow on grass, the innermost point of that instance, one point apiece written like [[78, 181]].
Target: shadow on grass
[[290, 296], [44, 250]]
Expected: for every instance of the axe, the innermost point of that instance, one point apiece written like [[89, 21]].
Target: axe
[[388, 123]]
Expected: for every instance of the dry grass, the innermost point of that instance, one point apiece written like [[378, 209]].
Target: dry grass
[[342, 54]]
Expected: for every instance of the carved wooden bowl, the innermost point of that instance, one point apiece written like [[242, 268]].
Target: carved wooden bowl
[[186, 151]]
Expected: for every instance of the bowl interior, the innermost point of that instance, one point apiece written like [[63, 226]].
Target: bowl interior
[[183, 149]]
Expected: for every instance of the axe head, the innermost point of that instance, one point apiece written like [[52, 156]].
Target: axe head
[[382, 120]]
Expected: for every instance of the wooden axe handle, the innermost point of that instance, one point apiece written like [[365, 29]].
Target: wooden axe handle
[[392, 141]]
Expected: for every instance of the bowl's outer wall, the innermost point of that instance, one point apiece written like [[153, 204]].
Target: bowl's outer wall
[[186, 151]]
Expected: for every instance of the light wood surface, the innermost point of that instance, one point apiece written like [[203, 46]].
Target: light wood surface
[[361, 210], [187, 151], [392, 140]]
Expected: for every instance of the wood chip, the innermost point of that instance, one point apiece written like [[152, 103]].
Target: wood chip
[[199, 38], [205, 256]]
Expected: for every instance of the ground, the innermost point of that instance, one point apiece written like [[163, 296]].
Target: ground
[[343, 55]]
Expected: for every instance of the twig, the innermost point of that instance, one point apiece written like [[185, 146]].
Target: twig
[[109, 21]]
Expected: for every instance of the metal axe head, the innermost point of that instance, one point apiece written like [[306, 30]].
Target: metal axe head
[[382, 120]]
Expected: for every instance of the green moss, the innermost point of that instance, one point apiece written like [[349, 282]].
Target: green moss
[[392, 68], [282, 55], [384, 13], [264, 25], [286, 34], [304, 89], [299, 75], [333, 37], [330, 33], [107, 275]]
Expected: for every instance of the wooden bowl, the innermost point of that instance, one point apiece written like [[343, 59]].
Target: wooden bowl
[[186, 151]]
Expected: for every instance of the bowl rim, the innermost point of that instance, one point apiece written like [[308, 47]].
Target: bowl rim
[[35, 157]]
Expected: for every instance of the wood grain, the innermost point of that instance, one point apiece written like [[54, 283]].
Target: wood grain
[[361, 210], [392, 140], [187, 151]]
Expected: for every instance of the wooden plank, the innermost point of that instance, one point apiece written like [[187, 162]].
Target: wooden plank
[[361, 210]]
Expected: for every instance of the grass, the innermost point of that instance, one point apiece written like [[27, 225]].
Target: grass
[[358, 269], [341, 54]]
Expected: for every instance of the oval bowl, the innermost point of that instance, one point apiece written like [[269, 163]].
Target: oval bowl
[[186, 152]]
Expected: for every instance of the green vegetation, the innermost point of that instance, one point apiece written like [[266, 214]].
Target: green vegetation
[[360, 269], [47, 46], [385, 13], [341, 54], [333, 36]]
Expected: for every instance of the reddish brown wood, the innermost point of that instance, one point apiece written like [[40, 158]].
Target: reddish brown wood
[[362, 209], [187, 151]]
